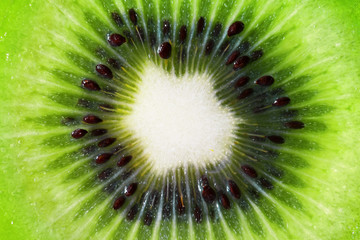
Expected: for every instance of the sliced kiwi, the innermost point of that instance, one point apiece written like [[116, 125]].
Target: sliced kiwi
[[179, 120]]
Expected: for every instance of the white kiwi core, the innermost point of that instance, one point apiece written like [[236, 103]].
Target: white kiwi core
[[179, 122]]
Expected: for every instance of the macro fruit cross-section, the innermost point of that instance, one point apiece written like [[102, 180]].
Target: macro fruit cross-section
[[186, 119]]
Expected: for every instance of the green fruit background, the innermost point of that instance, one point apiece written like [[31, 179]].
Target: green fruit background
[[328, 30]]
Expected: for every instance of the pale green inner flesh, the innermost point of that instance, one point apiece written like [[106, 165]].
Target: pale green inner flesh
[[304, 204]]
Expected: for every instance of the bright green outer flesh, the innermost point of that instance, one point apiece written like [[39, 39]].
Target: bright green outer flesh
[[328, 31]]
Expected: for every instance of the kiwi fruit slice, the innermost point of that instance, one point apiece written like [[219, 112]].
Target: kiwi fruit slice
[[179, 120]]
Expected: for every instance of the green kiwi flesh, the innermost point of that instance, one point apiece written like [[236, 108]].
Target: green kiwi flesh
[[306, 188]]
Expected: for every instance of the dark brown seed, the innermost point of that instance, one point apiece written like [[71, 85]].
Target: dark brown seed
[[104, 71], [106, 142], [182, 34], [116, 40], [265, 81], [124, 160], [250, 171], [130, 190], [241, 62], [242, 81], [209, 47], [90, 85], [235, 28], [98, 132], [164, 50], [208, 194], [266, 183], [119, 202], [91, 119], [114, 63], [197, 214], [281, 102], [103, 158], [276, 139], [79, 133], [234, 189], [233, 56], [224, 200], [200, 25], [132, 213], [295, 124], [166, 27], [256, 55], [117, 19], [148, 218], [105, 174], [217, 30], [245, 93], [133, 16], [180, 206]]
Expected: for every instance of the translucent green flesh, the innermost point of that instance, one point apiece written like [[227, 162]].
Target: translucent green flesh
[[45, 196]]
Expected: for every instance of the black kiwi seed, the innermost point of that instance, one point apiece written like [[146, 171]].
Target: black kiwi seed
[[197, 214], [233, 56], [131, 189], [295, 124], [132, 213], [166, 27], [116, 40], [200, 25], [234, 189], [250, 171], [133, 16], [79, 133], [106, 142], [183, 34], [241, 62], [124, 160], [209, 46], [244, 94], [281, 102], [224, 200], [265, 81], [104, 71], [276, 139], [98, 132], [117, 19], [164, 50], [90, 85], [105, 174], [242, 81], [208, 194], [148, 218], [235, 28], [103, 158], [256, 55], [92, 119], [119, 202]]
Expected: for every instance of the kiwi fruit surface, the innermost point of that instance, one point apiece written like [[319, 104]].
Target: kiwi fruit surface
[[182, 119]]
